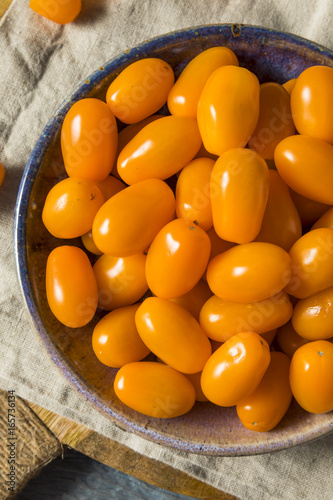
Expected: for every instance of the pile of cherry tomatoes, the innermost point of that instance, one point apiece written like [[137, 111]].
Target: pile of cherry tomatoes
[[212, 239]]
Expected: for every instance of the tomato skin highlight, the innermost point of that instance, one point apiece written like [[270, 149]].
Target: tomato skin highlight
[[235, 369], [159, 150], [121, 281], [311, 103], [127, 134], [184, 96], [221, 319], [312, 263], [262, 410], [304, 163], [313, 317], [129, 221], [154, 389], [239, 190], [89, 140], [228, 109], [71, 287], [281, 224], [177, 259], [275, 121], [311, 375], [56, 10], [70, 207], [140, 89], [250, 272], [173, 335], [115, 339]]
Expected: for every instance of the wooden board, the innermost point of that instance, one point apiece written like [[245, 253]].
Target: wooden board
[[124, 459], [36, 436], [4, 4]]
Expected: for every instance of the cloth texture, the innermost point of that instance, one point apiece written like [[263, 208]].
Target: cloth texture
[[40, 64]]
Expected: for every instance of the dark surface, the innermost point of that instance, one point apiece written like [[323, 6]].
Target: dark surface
[[78, 477]]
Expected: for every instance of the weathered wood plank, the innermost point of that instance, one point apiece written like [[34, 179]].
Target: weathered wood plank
[[26, 444], [4, 4], [124, 459]]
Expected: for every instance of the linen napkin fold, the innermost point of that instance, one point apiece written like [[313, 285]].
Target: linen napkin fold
[[40, 64]]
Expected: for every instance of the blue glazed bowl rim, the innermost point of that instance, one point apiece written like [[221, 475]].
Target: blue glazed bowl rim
[[21, 211]]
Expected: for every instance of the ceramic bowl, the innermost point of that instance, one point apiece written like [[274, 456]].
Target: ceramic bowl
[[208, 429]]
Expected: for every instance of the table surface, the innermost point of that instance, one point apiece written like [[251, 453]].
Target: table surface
[[41, 436]]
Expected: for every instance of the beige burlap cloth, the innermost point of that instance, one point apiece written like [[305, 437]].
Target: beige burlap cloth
[[40, 64]]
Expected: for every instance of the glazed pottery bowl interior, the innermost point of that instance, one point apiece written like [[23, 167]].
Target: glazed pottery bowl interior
[[206, 428]]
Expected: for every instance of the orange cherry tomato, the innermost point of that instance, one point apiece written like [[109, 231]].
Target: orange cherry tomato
[[140, 90], [2, 173], [177, 259], [275, 121], [311, 375], [288, 340], [121, 281], [305, 164], [89, 244], [269, 336], [89, 139], [184, 96], [281, 224], [115, 339], [58, 11], [71, 287], [311, 102], [129, 221], [110, 186], [195, 379], [228, 109], [250, 272], [193, 193], [218, 245], [154, 389], [313, 316], [239, 190], [127, 134], [222, 319], [312, 263], [309, 210], [172, 333], [235, 369], [326, 220], [262, 410], [160, 149], [193, 300], [289, 85], [70, 207]]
